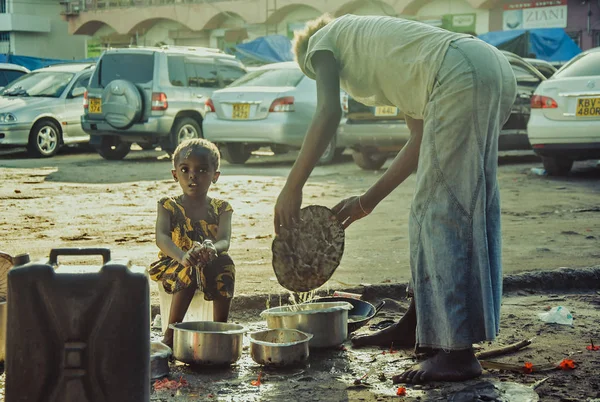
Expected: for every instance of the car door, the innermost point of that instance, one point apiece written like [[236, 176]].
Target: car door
[[229, 72], [202, 79], [74, 109]]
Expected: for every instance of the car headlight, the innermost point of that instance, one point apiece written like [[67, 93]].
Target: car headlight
[[7, 118]]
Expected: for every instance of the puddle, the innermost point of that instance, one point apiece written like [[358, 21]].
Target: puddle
[[328, 375]]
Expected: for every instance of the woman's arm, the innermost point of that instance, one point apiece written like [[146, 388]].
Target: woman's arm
[[403, 165], [163, 236], [322, 129]]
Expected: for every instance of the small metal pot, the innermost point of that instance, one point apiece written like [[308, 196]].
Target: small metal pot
[[279, 347], [207, 342], [327, 322]]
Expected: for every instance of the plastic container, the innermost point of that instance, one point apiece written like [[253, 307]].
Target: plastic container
[[199, 310], [82, 336]]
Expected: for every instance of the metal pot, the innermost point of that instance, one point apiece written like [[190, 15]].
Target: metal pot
[[279, 347], [207, 342], [327, 322], [362, 312]]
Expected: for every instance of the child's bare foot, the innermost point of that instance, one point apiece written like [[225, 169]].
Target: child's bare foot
[[401, 334], [458, 365]]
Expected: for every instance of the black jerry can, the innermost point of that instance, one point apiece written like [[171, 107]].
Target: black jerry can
[[82, 337]]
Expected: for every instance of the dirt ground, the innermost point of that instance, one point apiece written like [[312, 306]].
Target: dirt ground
[[80, 200], [329, 375]]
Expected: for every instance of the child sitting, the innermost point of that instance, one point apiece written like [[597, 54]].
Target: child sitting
[[193, 233]]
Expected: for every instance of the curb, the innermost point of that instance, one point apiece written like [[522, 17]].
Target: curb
[[561, 279]]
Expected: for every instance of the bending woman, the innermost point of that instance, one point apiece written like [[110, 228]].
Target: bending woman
[[456, 92]]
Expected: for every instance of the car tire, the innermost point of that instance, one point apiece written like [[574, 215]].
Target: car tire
[[44, 139], [184, 128], [557, 167], [369, 160], [235, 153], [113, 149], [330, 153], [279, 149]]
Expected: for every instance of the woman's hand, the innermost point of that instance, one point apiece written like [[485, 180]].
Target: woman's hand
[[190, 258], [287, 208], [207, 252], [349, 210]]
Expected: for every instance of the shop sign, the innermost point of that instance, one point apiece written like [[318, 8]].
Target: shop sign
[[535, 14]]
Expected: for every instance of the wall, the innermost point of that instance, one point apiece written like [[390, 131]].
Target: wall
[[57, 44], [437, 8]]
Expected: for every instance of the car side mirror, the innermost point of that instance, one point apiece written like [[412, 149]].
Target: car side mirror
[[77, 92]]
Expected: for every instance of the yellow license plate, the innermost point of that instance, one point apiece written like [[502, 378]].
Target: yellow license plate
[[386, 111], [95, 105], [241, 111], [588, 107]]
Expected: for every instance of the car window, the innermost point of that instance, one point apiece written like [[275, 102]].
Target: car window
[[177, 71], [230, 73], [10, 76], [521, 74], [276, 77], [583, 66], [44, 84], [137, 68], [82, 82], [200, 74]]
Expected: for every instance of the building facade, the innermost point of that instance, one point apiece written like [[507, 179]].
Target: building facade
[[36, 28], [224, 23]]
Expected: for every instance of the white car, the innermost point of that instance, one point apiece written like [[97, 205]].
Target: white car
[[564, 125]]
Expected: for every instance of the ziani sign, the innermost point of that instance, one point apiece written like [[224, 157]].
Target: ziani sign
[[535, 14]]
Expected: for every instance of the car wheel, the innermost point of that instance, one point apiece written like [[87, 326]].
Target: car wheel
[[236, 154], [279, 149], [183, 129], [369, 160], [557, 167], [44, 139], [112, 148], [330, 153]]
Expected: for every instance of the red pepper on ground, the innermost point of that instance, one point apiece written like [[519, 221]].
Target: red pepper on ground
[[257, 382], [401, 391], [592, 346], [567, 364], [528, 368]]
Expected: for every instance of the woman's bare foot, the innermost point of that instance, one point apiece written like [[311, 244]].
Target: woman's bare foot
[[458, 365], [401, 334]]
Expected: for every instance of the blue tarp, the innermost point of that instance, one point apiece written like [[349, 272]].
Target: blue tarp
[[266, 49], [33, 63], [550, 44]]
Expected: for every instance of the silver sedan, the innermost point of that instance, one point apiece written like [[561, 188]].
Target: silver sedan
[[42, 110], [272, 105]]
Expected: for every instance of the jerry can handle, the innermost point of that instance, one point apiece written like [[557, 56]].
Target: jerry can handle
[[55, 252]]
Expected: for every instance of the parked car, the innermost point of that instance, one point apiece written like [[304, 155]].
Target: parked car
[[375, 133], [152, 96], [543, 66], [271, 106], [10, 72], [565, 114], [42, 109]]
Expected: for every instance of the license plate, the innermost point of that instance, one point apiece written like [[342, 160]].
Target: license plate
[[386, 111], [588, 107], [95, 105], [241, 111]]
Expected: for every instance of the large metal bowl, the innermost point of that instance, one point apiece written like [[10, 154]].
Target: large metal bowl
[[279, 347], [327, 322], [207, 342]]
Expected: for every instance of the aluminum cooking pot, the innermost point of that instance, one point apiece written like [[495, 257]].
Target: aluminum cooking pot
[[207, 342], [362, 312], [279, 347], [327, 322]]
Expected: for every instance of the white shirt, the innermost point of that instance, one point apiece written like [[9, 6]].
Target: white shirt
[[384, 61]]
